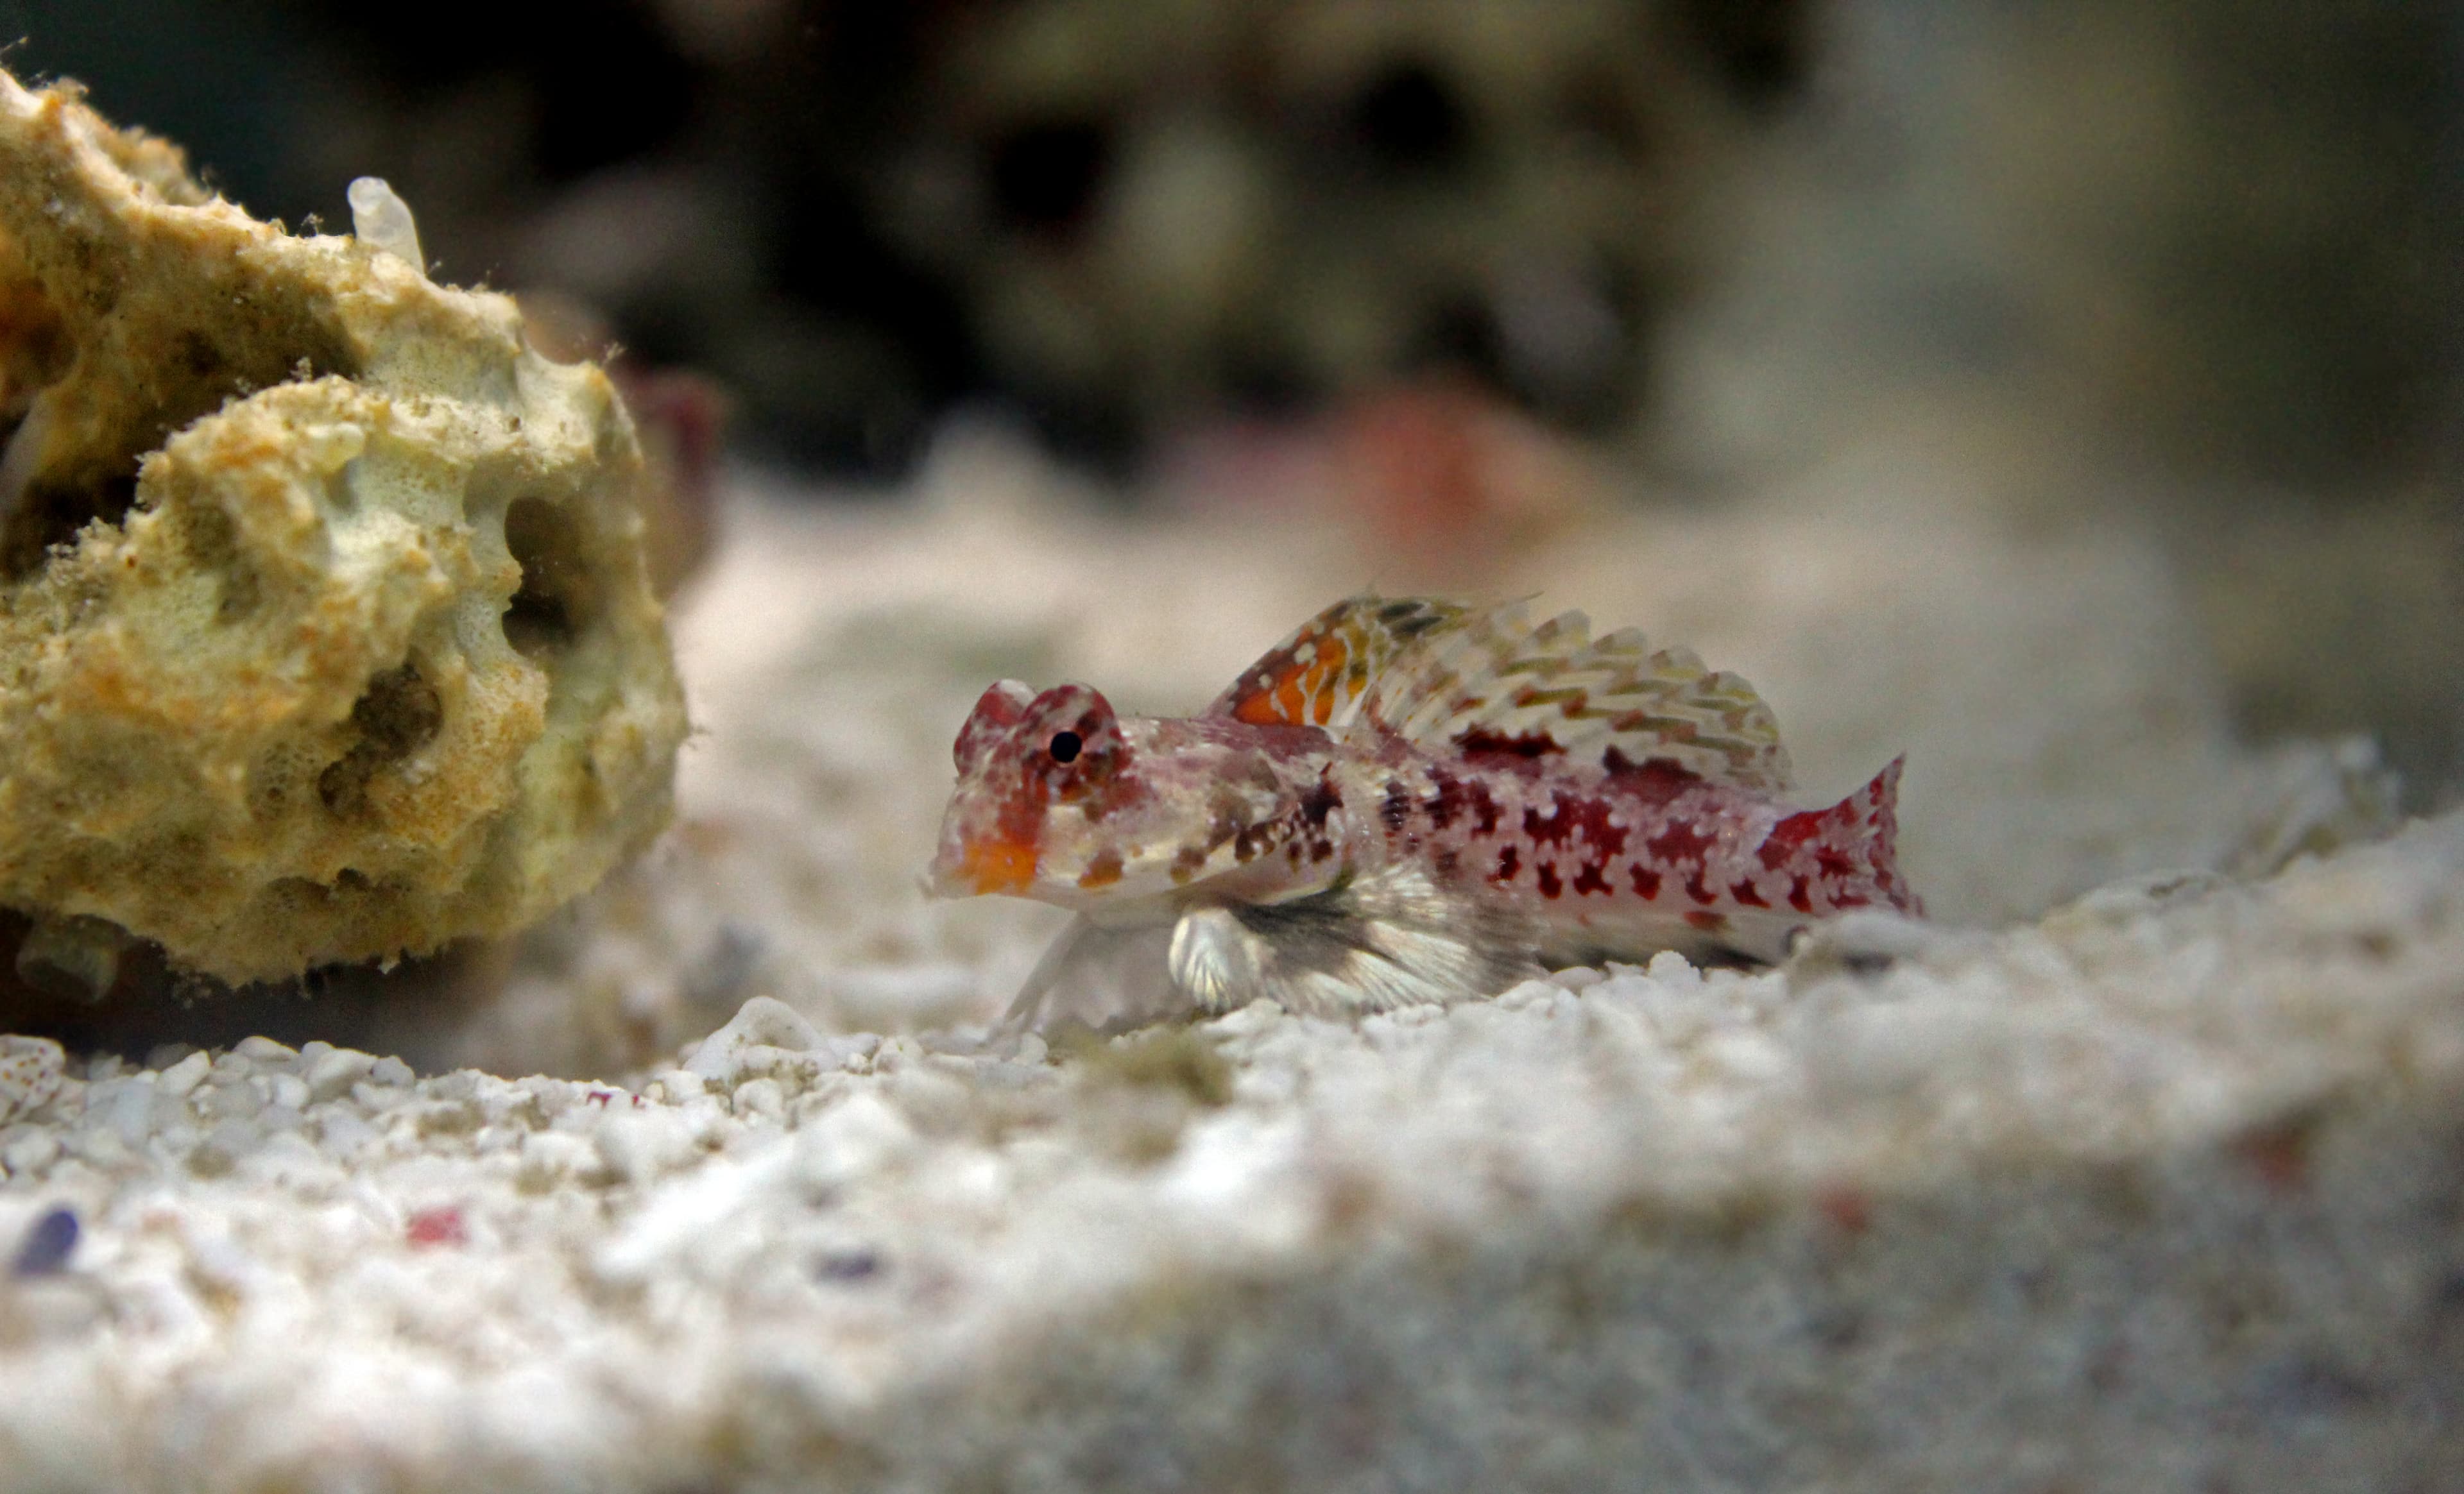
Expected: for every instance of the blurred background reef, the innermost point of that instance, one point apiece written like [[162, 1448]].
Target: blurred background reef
[[2191, 265]]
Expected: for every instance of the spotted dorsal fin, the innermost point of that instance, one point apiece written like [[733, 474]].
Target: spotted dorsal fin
[[1453, 679], [1320, 674], [1495, 682]]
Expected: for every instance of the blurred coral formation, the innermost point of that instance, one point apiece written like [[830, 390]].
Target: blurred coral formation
[[2209, 233]]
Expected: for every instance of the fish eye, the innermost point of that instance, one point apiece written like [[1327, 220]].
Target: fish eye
[[1066, 746]]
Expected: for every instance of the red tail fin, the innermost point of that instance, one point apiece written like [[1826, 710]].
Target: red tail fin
[[1880, 803], [1850, 851]]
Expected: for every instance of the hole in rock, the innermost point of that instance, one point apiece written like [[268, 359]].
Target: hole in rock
[[55, 479], [50, 514], [555, 603], [211, 542], [35, 353], [398, 715], [198, 354], [34, 348]]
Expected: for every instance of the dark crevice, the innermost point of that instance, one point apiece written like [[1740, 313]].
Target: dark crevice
[[86, 423], [399, 714], [211, 542], [536, 624], [555, 603], [51, 515], [411, 1010]]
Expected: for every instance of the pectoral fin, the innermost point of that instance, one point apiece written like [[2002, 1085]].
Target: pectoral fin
[[1107, 980], [1390, 940], [1393, 939]]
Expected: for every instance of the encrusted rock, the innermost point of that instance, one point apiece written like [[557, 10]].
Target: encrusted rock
[[323, 627]]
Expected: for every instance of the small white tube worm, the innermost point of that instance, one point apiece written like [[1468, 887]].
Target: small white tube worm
[[380, 216]]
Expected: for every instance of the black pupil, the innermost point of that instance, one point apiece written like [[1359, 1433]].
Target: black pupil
[[1064, 747]]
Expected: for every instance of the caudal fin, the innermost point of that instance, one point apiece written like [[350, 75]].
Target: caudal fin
[[1848, 855], [1877, 804]]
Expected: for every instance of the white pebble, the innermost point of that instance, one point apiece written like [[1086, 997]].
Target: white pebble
[[124, 1105], [343, 1132], [235, 1139], [1525, 994], [549, 1156], [333, 1072], [762, 1022], [101, 1145], [184, 1076], [762, 1097], [265, 1050], [676, 1086], [31, 1153], [639, 1145], [859, 1136]]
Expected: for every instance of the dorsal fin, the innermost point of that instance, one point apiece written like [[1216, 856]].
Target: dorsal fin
[[1449, 678], [1319, 676]]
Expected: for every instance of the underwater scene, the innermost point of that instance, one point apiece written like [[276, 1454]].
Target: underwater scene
[[1206, 744]]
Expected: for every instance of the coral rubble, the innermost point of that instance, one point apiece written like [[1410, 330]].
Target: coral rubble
[[323, 627]]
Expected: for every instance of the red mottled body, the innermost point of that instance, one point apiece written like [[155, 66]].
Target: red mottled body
[[1618, 858], [1405, 800]]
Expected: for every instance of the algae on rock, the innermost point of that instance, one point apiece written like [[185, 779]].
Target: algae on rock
[[324, 634]]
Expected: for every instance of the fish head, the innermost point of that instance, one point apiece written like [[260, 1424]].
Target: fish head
[[1045, 781]]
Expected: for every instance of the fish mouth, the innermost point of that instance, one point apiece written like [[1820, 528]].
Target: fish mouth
[[983, 865]]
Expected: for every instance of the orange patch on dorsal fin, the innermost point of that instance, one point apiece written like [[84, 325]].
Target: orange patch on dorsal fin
[[1451, 678], [1318, 676]]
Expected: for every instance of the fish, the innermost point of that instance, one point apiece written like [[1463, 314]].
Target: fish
[[1407, 800]]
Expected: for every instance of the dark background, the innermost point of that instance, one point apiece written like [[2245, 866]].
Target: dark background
[[2216, 237]]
